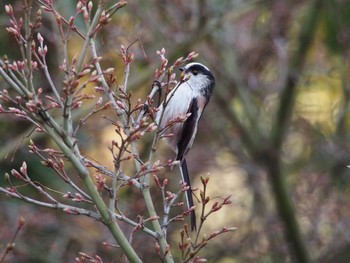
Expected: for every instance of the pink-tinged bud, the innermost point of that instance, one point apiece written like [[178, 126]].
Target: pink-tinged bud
[[77, 105], [96, 60], [172, 77], [11, 189], [157, 73], [86, 14], [109, 71], [162, 52], [176, 162], [23, 168], [184, 187], [7, 177], [40, 130], [32, 148], [31, 106], [156, 179], [98, 259], [199, 260], [144, 166], [21, 221], [33, 45], [99, 89], [167, 249], [131, 182], [103, 15], [71, 21], [63, 66], [100, 180], [179, 204], [169, 135], [9, 10], [93, 74], [14, 66], [40, 51], [152, 127], [227, 200], [192, 55], [165, 181], [46, 8], [157, 248], [79, 7], [21, 65], [153, 218], [131, 57], [84, 72], [68, 211], [16, 174], [204, 180], [39, 14], [99, 101], [187, 212], [40, 38], [178, 61], [14, 110], [61, 163], [35, 64], [78, 198], [68, 195], [216, 207], [40, 91], [12, 31], [53, 105], [170, 196], [139, 106], [120, 104], [20, 22], [90, 6]]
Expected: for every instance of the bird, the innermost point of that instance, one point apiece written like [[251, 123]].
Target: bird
[[188, 99]]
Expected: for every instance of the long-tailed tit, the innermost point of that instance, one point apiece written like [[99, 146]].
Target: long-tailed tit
[[188, 98]]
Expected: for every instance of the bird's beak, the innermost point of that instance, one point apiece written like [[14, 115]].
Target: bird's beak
[[182, 69]]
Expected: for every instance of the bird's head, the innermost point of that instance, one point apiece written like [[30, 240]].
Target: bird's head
[[199, 77]]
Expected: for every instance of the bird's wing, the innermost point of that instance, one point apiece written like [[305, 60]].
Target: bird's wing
[[189, 130]]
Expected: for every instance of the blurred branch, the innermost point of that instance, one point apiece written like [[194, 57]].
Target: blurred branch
[[272, 156], [245, 134], [284, 112], [11, 245]]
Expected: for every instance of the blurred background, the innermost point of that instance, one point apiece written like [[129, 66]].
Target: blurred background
[[274, 135]]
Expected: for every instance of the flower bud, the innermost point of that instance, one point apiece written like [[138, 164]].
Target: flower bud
[[40, 38], [9, 10]]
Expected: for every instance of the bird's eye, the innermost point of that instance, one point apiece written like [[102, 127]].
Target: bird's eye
[[195, 72]]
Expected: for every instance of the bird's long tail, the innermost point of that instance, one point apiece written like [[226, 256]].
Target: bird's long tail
[[189, 198]]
